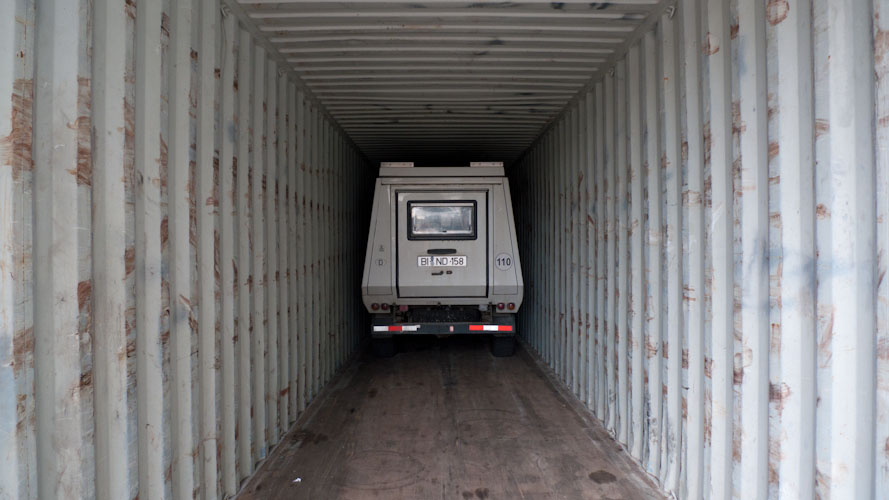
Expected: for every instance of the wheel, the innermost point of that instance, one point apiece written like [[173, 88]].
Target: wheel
[[384, 347], [502, 347]]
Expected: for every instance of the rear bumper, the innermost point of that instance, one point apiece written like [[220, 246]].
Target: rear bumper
[[501, 326]]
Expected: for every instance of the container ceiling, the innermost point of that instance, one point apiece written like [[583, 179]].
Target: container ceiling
[[448, 81]]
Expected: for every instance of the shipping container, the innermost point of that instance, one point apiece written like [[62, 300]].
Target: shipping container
[[701, 196]]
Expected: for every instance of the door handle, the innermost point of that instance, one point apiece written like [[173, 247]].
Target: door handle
[[438, 273]]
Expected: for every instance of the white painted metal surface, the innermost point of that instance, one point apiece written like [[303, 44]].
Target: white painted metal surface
[[149, 339], [739, 205], [702, 196]]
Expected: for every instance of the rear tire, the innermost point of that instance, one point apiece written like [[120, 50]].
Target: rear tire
[[502, 347], [384, 347]]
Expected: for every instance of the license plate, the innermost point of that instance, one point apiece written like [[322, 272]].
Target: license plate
[[441, 261]]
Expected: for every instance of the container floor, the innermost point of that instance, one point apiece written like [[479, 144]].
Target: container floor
[[445, 419]]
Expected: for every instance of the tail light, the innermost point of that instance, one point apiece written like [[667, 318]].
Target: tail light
[[500, 306], [511, 306], [374, 306], [385, 307]]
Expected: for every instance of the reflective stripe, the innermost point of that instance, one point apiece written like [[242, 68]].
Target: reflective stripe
[[490, 328], [405, 328], [473, 328]]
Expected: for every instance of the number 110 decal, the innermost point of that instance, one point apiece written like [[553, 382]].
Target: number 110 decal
[[503, 261]]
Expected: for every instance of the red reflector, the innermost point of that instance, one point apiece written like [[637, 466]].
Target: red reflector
[[490, 328], [394, 328]]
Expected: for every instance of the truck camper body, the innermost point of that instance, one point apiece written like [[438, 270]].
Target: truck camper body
[[442, 256]]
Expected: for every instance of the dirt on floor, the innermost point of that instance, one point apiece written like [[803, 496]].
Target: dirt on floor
[[445, 419]]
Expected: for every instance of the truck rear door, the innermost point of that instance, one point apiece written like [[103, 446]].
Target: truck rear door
[[442, 243]]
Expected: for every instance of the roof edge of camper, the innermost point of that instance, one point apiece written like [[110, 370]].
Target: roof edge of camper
[[475, 169]]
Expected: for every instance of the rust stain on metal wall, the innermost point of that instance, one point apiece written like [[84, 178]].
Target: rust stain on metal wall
[[774, 460], [165, 231], [86, 380], [84, 296], [129, 260], [15, 148], [213, 199], [775, 336], [23, 350], [217, 261], [25, 418], [778, 394], [83, 172], [882, 350], [163, 160], [708, 143], [822, 127], [881, 45], [776, 11], [191, 188], [711, 45]]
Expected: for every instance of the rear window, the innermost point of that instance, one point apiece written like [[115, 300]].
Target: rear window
[[448, 220]]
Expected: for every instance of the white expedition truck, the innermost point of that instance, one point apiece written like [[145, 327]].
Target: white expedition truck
[[442, 256]]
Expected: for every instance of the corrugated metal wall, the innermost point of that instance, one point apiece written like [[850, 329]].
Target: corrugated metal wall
[[705, 235], [181, 228]]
